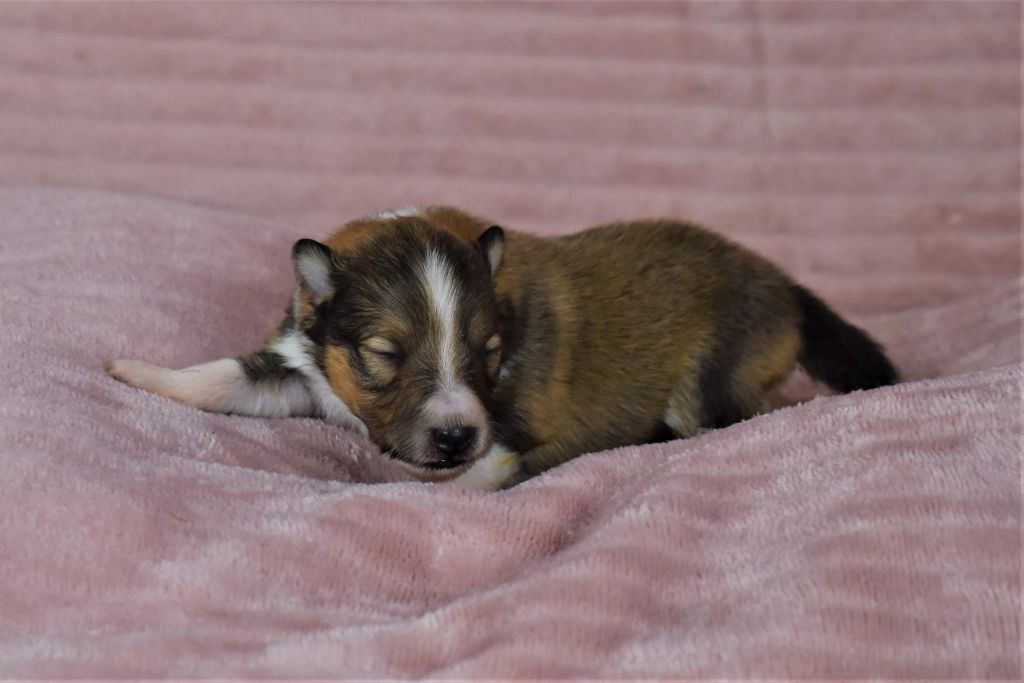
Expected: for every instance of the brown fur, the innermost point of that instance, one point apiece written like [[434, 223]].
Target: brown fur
[[390, 305], [343, 380], [622, 318], [426, 323]]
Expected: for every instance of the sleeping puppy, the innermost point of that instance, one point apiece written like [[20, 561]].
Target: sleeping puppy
[[482, 356]]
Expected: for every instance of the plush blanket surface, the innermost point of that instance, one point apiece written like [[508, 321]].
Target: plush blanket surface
[[160, 159]]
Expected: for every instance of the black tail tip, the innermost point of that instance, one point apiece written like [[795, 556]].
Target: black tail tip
[[838, 353], [872, 371]]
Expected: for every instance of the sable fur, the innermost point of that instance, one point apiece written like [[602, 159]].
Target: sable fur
[[378, 296], [620, 330], [613, 336]]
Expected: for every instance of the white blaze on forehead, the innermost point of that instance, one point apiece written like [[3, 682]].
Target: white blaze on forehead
[[404, 212], [443, 295], [453, 402]]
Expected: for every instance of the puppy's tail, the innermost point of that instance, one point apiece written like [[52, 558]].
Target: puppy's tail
[[837, 353]]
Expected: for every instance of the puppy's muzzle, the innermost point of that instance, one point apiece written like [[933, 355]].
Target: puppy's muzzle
[[453, 445]]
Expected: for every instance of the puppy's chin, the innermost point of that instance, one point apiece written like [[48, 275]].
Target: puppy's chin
[[432, 473], [426, 473], [438, 474]]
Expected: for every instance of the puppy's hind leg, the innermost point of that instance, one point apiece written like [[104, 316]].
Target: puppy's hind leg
[[684, 410], [258, 385]]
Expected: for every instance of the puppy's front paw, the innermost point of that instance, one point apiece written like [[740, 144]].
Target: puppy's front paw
[[136, 373], [491, 472], [356, 425]]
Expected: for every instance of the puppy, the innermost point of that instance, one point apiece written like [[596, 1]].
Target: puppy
[[482, 356]]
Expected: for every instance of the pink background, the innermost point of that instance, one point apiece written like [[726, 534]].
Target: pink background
[[159, 159]]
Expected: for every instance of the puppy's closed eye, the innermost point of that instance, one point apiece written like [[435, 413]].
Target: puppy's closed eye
[[381, 358], [380, 346], [492, 354]]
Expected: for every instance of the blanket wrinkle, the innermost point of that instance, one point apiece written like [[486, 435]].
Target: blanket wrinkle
[[156, 164]]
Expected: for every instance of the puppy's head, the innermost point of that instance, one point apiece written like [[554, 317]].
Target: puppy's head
[[406, 329]]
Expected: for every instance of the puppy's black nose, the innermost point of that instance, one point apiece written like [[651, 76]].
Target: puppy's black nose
[[452, 441]]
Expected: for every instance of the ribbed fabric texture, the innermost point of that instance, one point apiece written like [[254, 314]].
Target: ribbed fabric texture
[[161, 159]]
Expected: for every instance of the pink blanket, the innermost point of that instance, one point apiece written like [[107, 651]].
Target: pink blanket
[[872, 149]]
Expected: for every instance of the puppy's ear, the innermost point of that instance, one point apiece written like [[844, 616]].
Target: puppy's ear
[[492, 244], [314, 269]]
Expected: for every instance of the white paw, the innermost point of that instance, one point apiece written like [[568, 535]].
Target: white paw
[[356, 425], [337, 413], [136, 373], [491, 472]]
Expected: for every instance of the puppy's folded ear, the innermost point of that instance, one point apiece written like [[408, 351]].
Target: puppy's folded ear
[[314, 268], [492, 244]]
